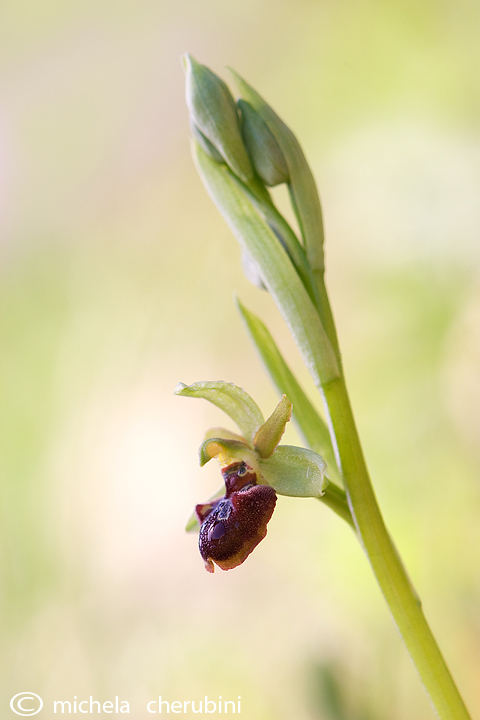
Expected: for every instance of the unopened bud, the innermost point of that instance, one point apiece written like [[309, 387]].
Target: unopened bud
[[265, 154], [214, 113]]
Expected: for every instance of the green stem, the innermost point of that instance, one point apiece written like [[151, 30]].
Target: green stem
[[325, 313], [336, 499], [401, 598]]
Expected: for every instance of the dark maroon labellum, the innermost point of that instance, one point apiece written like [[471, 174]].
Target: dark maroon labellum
[[232, 526]]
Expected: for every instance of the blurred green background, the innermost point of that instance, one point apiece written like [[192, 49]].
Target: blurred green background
[[117, 276]]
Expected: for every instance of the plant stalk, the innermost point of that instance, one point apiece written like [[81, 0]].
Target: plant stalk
[[396, 587], [335, 498]]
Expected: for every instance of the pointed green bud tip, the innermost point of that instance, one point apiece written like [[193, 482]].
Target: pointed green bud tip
[[214, 114], [265, 153], [269, 435]]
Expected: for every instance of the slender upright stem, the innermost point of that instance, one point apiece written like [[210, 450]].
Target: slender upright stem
[[325, 313], [396, 587]]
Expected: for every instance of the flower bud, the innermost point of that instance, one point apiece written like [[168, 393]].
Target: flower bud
[[265, 154], [214, 113], [234, 525]]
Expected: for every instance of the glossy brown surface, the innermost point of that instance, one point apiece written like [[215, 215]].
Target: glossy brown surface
[[234, 525]]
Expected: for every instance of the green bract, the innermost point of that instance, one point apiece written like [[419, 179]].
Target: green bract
[[280, 276], [292, 471], [205, 143]]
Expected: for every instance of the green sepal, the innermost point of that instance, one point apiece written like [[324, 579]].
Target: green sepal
[[230, 398], [214, 112], [303, 191], [269, 435], [264, 151], [227, 452], [294, 471]]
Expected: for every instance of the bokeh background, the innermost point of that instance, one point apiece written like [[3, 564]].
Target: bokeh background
[[117, 281]]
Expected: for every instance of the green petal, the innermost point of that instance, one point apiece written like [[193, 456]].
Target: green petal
[[294, 471], [231, 399], [270, 434], [227, 452], [277, 271]]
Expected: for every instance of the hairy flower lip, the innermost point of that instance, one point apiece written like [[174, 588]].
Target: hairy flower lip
[[233, 526]]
